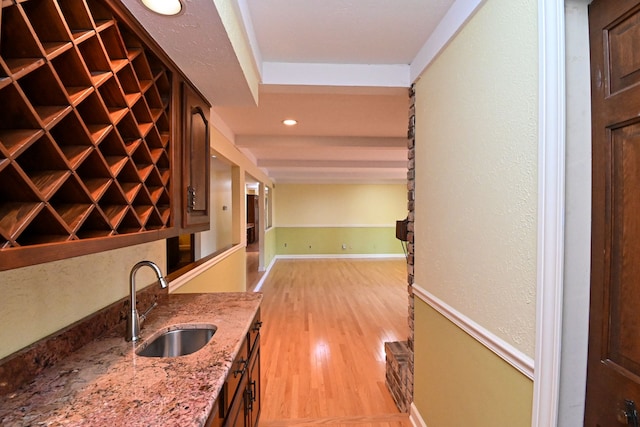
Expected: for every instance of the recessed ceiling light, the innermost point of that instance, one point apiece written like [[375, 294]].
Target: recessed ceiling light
[[164, 7], [289, 122]]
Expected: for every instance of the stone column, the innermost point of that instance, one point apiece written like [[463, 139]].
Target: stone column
[[411, 184]]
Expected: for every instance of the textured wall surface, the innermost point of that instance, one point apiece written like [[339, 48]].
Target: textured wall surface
[[41, 299], [476, 172]]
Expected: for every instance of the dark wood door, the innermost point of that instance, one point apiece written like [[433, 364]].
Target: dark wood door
[[613, 377]]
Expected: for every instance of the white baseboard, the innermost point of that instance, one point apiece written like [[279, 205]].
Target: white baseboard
[[331, 256], [415, 417], [264, 276]]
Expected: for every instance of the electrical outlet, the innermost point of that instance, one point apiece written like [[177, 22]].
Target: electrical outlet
[[285, 245]]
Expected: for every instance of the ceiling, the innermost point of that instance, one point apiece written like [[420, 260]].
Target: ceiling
[[341, 68]]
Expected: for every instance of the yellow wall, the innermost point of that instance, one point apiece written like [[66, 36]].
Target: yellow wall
[[475, 212], [300, 205], [223, 218], [321, 218], [459, 382], [228, 275], [221, 213], [42, 299]]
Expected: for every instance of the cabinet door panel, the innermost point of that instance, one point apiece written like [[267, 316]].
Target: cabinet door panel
[[237, 412], [253, 386], [195, 162]]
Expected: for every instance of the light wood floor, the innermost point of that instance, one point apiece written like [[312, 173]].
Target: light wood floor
[[253, 275], [324, 327]]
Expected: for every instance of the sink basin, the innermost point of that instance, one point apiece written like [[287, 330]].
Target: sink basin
[[178, 342]]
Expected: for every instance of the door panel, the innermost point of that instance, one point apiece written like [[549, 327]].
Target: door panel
[[623, 42], [613, 377], [624, 300]]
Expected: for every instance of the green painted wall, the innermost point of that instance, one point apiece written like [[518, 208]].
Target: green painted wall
[[329, 240], [459, 382], [269, 245]]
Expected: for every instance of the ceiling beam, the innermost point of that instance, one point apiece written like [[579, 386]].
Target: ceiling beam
[[371, 75]]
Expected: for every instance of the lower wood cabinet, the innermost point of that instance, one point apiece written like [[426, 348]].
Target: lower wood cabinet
[[239, 402], [252, 392], [237, 415]]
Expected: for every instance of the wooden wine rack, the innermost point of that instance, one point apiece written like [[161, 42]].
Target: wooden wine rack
[[85, 127]]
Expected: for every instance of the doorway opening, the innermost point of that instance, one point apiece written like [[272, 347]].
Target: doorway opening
[[254, 192]]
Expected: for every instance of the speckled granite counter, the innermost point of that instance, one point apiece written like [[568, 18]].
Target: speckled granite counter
[[106, 384]]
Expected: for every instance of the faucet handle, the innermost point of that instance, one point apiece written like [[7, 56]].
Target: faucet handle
[[143, 317]]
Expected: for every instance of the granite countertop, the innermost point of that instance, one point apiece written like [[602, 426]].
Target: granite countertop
[[106, 384]]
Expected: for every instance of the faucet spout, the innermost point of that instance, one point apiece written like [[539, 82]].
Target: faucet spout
[[133, 321]]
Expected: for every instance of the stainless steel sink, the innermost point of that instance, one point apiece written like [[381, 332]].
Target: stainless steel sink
[[178, 342]]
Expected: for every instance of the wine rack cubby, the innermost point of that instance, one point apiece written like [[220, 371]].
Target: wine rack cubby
[[86, 124]]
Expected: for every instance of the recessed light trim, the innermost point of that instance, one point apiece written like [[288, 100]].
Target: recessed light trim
[[164, 7], [289, 122]]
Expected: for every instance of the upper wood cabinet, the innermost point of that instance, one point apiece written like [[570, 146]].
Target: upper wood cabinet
[[90, 132], [195, 161]]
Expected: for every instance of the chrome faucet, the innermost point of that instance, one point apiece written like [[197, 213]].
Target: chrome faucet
[[134, 321]]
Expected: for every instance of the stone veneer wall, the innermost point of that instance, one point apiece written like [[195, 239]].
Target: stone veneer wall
[[399, 354], [411, 184], [397, 373]]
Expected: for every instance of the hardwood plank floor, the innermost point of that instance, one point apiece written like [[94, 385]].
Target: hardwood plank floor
[[325, 322], [253, 275]]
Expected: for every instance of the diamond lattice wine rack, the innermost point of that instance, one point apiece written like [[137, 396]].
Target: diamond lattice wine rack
[[85, 130]]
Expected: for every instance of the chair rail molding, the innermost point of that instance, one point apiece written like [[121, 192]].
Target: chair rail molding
[[516, 358]]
